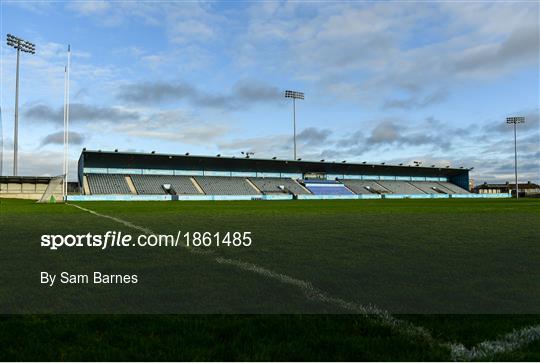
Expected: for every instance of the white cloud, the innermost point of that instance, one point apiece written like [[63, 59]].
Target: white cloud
[[171, 125], [44, 163], [372, 49], [94, 7]]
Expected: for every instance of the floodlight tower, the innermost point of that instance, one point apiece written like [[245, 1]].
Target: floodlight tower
[[22, 46], [295, 96], [514, 121]]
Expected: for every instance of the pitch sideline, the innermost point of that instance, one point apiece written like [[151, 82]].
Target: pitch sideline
[[486, 349]]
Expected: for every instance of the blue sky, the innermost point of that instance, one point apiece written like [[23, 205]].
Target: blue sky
[[384, 82]]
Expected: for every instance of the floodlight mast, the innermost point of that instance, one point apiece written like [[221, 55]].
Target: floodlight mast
[[22, 46], [514, 121], [294, 95]]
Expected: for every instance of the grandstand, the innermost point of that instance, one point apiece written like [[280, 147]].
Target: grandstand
[[108, 184], [140, 176], [155, 184], [400, 187], [326, 187], [279, 186], [226, 185], [432, 187], [365, 186], [454, 189]]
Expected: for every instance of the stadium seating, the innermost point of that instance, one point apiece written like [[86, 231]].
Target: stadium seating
[[454, 188], [400, 187], [147, 184], [326, 187], [272, 185], [431, 187], [107, 184], [364, 186], [153, 184], [225, 185]]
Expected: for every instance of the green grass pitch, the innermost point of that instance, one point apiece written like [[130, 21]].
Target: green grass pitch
[[413, 258]]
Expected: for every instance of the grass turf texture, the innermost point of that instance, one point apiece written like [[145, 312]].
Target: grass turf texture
[[301, 239]]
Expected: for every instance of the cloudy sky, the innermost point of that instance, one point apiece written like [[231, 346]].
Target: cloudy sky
[[386, 81]]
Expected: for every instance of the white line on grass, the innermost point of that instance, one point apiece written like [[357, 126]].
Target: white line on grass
[[487, 349], [484, 350], [118, 220], [134, 226], [313, 293]]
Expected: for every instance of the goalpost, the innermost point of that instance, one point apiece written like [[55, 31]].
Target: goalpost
[[54, 191], [65, 166], [57, 190]]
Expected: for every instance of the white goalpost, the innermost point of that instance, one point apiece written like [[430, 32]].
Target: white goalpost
[[57, 190], [65, 167]]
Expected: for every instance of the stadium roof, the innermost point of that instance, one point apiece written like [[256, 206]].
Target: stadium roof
[[25, 179], [131, 160]]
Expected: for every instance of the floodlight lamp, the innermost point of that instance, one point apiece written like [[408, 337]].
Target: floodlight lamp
[[515, 120], [294, 94]]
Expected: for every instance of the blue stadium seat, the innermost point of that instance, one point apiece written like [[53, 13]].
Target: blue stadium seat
[[326, 187]]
